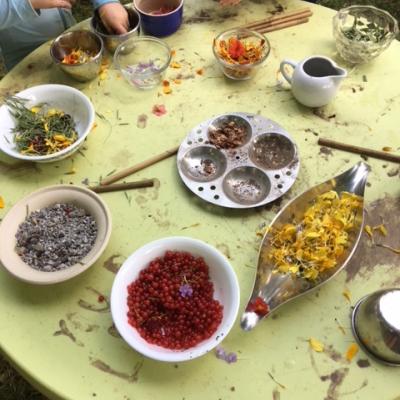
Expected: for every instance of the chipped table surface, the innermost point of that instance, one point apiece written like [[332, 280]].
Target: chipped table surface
[[62, 337]]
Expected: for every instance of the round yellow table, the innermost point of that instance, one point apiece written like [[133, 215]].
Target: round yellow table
[[62, 337]]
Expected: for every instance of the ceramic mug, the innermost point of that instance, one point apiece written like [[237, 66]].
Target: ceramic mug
[[155, 18], [315, 80]]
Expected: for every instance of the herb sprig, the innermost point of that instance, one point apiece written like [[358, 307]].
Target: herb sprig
[[40, 130]]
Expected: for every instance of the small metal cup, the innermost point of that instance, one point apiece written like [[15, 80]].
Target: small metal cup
[[376, 325], [113, 41], [84, 40]]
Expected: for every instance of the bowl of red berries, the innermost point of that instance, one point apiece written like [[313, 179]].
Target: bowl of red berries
[[175, 299]]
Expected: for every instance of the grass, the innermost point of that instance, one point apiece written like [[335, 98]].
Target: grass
[[12, 385]]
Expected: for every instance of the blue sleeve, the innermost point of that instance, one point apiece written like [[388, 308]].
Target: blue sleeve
[[99, 3], [14, 12]]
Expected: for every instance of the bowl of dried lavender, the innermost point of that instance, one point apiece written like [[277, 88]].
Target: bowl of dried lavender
[[45, 123], [54, 234]]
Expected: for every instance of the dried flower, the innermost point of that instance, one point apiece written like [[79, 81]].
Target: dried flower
[[159, 110], [141, 121], [221, 354], [351, 352], [186, 290], [316, 345]]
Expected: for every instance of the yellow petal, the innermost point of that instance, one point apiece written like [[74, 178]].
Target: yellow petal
[[381, 228], [346, 293], [35, 110], [1, 202], [369, 231], [103, 75], [316, 345], [387, 148], [175, 64], [167, 90], [351, 352]]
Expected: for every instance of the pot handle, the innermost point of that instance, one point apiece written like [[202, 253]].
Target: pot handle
[[282, 69]]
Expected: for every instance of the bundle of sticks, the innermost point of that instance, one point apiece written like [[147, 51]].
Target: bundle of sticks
[[280, 21]]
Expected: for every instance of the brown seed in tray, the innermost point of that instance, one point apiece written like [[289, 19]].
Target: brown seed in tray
[[228, 136]]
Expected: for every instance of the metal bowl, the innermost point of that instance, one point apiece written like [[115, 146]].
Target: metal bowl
[[113, 41], [376, 325], [84, 40]]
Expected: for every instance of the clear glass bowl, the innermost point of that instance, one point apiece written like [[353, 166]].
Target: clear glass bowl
[[143, 61], [234, 69], [363, 32]]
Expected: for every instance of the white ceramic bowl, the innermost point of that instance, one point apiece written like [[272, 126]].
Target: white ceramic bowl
[[46, 197], [226, 291], [65, 98]]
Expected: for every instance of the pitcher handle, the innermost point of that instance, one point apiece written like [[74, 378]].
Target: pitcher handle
[[282, 69]]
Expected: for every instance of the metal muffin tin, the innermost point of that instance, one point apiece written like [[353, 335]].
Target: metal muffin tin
[[241, 177]]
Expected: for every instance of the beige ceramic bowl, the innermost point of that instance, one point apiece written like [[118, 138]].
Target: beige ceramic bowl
[[42, 198]]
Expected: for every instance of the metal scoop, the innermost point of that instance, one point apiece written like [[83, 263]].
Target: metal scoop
[[272, 289]]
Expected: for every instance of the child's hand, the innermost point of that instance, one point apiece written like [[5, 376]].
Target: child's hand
[[38, 4], [115, 18]]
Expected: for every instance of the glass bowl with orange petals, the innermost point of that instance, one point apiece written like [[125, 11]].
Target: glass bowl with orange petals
[[240, 52]]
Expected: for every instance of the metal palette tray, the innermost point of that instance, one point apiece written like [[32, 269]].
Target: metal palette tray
[[259, 171]]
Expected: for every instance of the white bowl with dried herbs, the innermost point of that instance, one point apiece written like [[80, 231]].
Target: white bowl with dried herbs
[[54, 234], [45, 123]]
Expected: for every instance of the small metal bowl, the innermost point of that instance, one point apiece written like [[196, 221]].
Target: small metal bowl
[[224, 120], [84, 40], [203, 164], [113, 41], [272, 151], [246, 185], [376, 325]]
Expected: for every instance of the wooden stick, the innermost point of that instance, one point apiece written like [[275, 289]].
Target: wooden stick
[[123, 186], [282, 26], [138, 167], [280, 18], [382, 155]]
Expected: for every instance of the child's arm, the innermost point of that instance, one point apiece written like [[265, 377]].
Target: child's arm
[[13, 12]]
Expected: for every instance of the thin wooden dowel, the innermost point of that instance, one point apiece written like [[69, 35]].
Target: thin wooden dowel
[[284, 25], [123, 186], [129, 171], [278, 19], [381, 155]]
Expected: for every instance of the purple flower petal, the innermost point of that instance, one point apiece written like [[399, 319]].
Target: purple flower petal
[[221, 354], [231, 358], [185, 290]]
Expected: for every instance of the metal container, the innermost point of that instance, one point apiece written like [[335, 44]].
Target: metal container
[[248, 175], [376, 325], [83, 40], [271, 290], [111, 42]]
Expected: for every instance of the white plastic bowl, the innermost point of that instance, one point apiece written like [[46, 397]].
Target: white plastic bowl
[[226, 291], [65, 98]]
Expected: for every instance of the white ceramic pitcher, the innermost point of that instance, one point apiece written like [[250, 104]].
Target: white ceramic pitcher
[[315, 80]]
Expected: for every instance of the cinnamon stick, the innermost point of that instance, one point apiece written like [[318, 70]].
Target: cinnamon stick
[[283, 25], [285, 17], [381, 155], [123, 186], [140, 166]]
